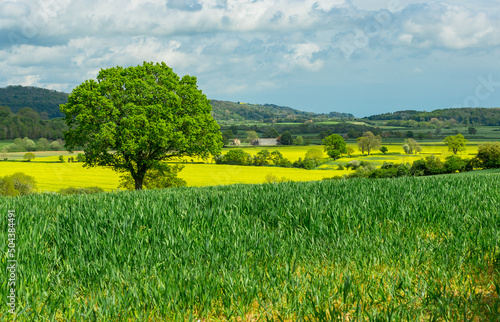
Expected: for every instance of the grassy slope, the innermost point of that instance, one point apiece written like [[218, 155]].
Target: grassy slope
[[407, 248]]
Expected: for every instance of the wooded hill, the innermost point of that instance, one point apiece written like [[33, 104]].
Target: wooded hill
[[44, 101], [230, 111], [463, 116]]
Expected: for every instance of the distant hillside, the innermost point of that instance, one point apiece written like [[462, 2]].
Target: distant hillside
[[45, 101], [230, 111], [465, 115], [39, 99]]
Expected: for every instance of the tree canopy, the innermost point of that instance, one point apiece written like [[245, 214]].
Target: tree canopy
[[456, 143], [132, 119], [334, 146], [369, 142]]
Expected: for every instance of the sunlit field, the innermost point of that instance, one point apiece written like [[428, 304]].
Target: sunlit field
[[55, 175]]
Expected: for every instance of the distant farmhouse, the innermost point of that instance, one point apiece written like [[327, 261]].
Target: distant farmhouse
[[264, 142], [235, 142]]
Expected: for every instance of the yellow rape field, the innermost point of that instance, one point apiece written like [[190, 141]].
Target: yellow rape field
[[55, 176]]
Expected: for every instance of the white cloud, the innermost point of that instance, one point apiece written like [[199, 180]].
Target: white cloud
[[240, 46]]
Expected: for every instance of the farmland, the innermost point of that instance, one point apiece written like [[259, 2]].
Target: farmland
[[424, 248], [53, 176]]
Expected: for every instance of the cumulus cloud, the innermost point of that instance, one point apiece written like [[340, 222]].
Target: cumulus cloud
[[235, 46]]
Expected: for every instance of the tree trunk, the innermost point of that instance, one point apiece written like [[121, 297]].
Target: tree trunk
[[139, 178], [138, 183]]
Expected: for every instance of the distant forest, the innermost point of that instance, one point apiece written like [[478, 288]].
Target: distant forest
[[460, 116], [44, 101], [268, 113], [29, 123]]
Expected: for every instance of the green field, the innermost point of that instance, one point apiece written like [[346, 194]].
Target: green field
[[424, 248]]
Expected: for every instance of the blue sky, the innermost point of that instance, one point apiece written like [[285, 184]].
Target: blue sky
[[359, 56]]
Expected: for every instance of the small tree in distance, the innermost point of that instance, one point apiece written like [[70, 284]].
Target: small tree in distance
[[334, 146], [29, 156], [369, 142], [286, 138], [456, 143]]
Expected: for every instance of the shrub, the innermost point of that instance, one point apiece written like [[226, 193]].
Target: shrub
[[354, 164], [55, 146], [86, 190], [14, 148], [454, 163], [17, 184], [271, 178], [262, 158], [29, 156], [61, 159], [238, 157], [488, 155]]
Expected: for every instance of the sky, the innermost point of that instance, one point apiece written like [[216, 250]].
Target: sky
[[362, 57]]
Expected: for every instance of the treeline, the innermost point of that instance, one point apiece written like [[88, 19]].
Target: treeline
[[44, 101], [29, 123], [453, 116], [26, 145], [312, 159], [324, 130]]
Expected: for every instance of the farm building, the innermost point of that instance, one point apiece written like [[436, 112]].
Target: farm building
[[265, 142], [235, 142]]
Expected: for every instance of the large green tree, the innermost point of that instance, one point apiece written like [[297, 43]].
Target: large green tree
[[133, 119], [334, 146], [456, 143]]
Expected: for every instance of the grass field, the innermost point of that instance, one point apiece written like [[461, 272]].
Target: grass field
[[416, 249]]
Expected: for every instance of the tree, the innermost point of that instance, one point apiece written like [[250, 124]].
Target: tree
[[55, 146], [350, 151], [252, 135], [456, 143], [472, 130], [369, 142], [299, 140], [42, 144], [314, 154], [155, 179], [411, 146], [286, 138], [29, 156], [262, 158], [383, 149], [133, 119], [334, 146], [227, 136], [271, 133]]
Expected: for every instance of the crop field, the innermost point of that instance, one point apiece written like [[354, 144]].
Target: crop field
[[425, 248], [53, 176]]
